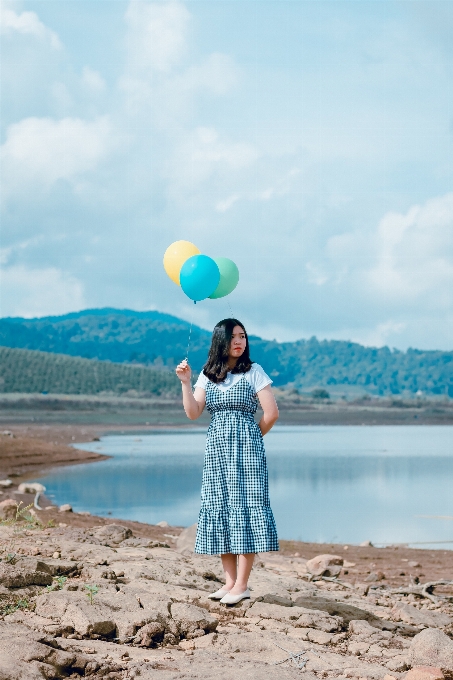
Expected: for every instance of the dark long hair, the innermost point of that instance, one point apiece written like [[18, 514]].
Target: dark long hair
[[216, 366]]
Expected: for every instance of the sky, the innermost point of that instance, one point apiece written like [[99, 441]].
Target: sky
[[310, 141]]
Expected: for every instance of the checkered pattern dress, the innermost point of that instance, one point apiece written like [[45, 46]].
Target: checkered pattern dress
[[235, 515]]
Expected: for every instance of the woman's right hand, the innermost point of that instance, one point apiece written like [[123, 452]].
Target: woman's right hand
[[184, 372]]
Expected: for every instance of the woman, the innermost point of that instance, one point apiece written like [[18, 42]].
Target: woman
[[235, 519]]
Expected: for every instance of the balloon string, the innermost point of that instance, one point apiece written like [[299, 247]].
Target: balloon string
[[190, 334], [188, 342]]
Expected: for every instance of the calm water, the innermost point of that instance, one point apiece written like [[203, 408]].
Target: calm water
[[327, 484]]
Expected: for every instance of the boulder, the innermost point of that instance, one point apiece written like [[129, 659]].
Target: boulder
[[8, 509], [325, 565], [185, 543], [420, 617], [112, 534], [424, 673], [192, 621], [432, 647], [5, 483], [65, 507], [23, 573]]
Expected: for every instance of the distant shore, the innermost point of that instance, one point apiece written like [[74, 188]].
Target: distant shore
[[110, 412]]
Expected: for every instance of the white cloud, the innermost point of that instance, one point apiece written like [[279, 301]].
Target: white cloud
[[156, 35], [201, 153], [93, 80], [40, 151], [414, 252], [217, 73], [27, 23], [39, 292]]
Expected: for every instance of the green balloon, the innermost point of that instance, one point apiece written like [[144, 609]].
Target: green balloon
[[229, 277]]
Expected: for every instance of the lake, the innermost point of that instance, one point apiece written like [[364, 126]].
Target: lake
[[387, 484]]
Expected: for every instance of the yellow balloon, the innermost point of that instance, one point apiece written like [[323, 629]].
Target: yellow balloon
[[176, 255]]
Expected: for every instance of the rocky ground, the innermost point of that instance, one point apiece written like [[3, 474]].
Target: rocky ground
[[100, 602], [83, 596]]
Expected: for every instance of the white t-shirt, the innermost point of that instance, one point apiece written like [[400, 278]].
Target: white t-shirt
[[257, 378]]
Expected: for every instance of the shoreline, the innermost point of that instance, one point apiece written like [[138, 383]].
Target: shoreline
[[25, 453]]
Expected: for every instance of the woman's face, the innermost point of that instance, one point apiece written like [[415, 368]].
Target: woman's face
[[238, 342]]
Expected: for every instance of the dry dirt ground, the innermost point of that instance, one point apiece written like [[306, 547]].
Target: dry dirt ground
[[82, 596]]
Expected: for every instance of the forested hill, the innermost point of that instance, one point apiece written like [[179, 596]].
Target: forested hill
[[29, 371], [160, 340]]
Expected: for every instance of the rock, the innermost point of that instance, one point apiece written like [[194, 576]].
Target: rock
[[319, 637], [150, 634], [56, 555], [424, 673], [57, 566], [325, 565], [296, 616], [270, 598], [185, 543], [73, 609], [65, 507], [366, 544], [361, 628], [413, 565], [348, 613], [8, 509], [432, 647], [375, 576], [27, 655], [417, 617], [23, 574], [112, 534], [5, 483], [192, 621], [31, 487], [397, 663], [162, 524], [24, 657]]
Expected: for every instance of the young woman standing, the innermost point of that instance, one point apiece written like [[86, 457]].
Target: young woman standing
[[236, 519]]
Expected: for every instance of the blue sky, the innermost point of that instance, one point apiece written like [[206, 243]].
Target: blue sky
[[309, 141]]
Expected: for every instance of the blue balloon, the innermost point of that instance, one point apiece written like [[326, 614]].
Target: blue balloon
[[199, 277]]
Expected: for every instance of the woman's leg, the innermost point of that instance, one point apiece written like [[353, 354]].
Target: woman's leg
[[245, 564], [229, 563]]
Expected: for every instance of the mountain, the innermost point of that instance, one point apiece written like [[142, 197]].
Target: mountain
[[160, 340]]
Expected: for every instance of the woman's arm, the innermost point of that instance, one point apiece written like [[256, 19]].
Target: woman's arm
[[270, 408], [193, 402]]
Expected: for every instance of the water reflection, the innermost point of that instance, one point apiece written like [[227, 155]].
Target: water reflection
[[326, 483]]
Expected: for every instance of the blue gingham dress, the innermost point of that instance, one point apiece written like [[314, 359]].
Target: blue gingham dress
[[235, 515]]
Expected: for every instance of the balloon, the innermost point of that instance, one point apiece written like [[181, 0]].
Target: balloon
[[229, 277], [176, 255], [199, 277]]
